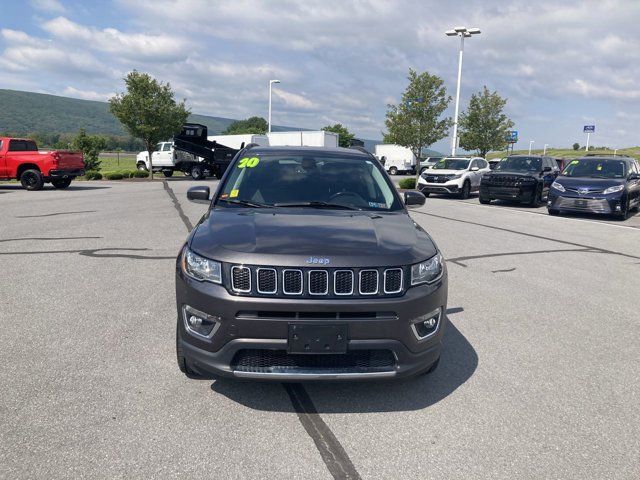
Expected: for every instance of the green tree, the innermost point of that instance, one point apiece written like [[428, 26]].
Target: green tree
[[416, 122], [148, 111], [344, 135], [90, 146], [576, 146], [252, 125], [483, 126]]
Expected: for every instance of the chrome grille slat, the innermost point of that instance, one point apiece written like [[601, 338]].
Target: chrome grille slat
[[366, 279], [292, 283], [393, 280], [340, 282], [241, 279], [267, 280], [318, 282]]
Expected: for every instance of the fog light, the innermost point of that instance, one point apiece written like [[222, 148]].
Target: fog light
[[549, 202], [618, 208], [194, 321], [426, 325], [199, 323]]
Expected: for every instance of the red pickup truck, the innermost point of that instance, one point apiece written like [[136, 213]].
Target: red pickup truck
[[21, 160]]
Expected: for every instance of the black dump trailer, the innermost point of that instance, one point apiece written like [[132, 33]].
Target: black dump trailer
[[215, 156]]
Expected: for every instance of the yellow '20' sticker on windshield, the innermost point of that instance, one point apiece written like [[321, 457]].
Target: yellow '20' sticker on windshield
[[248, 162], [234, 193]]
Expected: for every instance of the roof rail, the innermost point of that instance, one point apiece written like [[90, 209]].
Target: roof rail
[[606, 155]]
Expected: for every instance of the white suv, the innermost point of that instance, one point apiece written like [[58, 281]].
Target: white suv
[[454, 175]]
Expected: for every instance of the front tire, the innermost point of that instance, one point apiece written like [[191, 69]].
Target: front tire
[[32, 180], [183, 362], [196, 172], [167, 173], [64, 183], [466, 190], [485, 201], [536, 201], [393, 171], [142, 167], [553, 211]]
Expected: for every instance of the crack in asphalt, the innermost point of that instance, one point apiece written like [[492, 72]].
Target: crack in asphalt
[[57, 213], [332, 452], [95, 253], [25, 239], [504, 271], [177, 206]]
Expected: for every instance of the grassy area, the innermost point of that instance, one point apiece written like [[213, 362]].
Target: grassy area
[[110, 163], [570, 153]]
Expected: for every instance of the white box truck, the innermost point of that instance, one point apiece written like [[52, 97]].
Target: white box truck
[[396, 159], [240, 141], [318, 138]]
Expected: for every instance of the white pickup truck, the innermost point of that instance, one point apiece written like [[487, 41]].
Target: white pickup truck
[[167, 160]]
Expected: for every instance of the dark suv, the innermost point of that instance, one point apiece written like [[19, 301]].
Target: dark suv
[[307, 266], [520, 178], [607, 185]]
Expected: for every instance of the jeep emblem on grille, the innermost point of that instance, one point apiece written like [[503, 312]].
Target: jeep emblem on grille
[[583, 191], [318, 261]]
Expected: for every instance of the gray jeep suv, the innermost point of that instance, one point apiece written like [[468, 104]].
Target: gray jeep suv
[[307, 266]]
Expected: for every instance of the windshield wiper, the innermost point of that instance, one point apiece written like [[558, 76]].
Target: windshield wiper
[[245, 203], [316, 204]]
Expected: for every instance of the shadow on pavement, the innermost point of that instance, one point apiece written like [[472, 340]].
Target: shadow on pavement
[[458, 363]]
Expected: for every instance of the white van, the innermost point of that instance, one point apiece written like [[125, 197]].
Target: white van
[[239, 141], [396, 159]]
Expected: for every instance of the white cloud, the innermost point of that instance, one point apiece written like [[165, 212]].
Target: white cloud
[[53, 6], [130, 45], [294, 100], [87, 94]]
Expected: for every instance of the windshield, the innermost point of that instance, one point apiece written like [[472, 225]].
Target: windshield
[[452, 164], [315, 180], [525, 164], [595, 168]]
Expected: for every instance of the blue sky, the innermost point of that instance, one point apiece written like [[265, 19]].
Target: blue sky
[[561, 64]]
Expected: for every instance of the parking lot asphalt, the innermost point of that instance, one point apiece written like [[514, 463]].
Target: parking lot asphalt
[[538, 378]]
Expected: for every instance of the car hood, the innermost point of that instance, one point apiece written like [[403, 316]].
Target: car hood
[[590, 183], [289, 237], [513, 173], [445, 172]]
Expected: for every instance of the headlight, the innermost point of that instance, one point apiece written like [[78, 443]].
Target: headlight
[[455, 177], [558, 186], [201, 268], [614, 189], [427, 272]]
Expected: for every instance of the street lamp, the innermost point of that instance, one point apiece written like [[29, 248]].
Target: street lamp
[[545, 149], [271, 82], [462, 32], [531, 142]]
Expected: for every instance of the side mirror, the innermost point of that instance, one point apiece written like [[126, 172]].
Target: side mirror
[[634, 176], [198, 194], [413, 198], [474, 169], [546, 169]]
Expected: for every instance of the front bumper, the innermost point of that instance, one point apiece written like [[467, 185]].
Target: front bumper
[[249, 324], [593, 203], [62, 174], [520, 193], [448, 187]]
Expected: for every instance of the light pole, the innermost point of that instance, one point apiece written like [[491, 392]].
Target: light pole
[[545, 149], [271, 82], [462, 32], [531, 142]]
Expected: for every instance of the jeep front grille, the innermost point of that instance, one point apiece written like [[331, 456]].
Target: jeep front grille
[[317, 282]]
